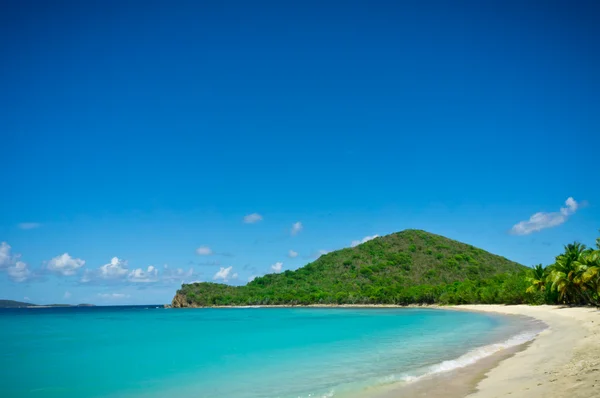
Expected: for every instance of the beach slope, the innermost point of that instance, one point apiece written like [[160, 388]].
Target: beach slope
[[563, 361]]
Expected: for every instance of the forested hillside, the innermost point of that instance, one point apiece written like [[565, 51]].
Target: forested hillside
[[407, 267]]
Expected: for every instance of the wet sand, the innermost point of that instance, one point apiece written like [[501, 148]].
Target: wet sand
[[563, 361]]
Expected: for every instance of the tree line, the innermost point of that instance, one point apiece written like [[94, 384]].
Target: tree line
[[415, 267], [574, 277]]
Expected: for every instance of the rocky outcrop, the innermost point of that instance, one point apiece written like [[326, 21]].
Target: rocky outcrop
[[179, 301]]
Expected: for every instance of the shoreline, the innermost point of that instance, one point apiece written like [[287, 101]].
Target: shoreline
[[563, 360]]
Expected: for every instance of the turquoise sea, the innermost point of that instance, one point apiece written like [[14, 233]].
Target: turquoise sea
[[238, 352]]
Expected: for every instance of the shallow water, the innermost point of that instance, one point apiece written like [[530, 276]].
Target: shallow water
[[238, 352]]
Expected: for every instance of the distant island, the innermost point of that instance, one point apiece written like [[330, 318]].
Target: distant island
[[21, 304], [413, 267]]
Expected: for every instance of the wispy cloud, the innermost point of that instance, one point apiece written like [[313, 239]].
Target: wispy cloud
[[292, 254], [252, 218], [67, 295], [363, 240], [65, 264], [204, 251], [143, 276], [543, 220], [225, 273], [175, 274], [296, 228], [207, 251], [113, 296], [277, 267], [211, 263], [29, 225]]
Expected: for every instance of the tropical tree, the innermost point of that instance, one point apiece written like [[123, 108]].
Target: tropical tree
[[537, 279], [589, 275], [565, 274]]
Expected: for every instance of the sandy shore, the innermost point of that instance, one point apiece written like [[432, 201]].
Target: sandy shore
[[563, 361]]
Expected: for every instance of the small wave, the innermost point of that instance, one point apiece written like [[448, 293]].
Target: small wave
[[467, 359], [482, 352]]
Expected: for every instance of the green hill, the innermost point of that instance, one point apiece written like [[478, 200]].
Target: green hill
[[407, 267]]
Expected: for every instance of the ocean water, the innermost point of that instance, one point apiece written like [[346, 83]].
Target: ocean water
[[238, 353]]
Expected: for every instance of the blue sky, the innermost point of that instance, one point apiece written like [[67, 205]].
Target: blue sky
[[136, 136]]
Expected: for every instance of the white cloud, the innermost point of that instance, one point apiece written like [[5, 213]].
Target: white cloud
[[16, 269], [292, 254], [296, 228], [19, 272], [5, 256], [277, 266], [178, 274], [113, 296], [223, 274], [542, 220], [252, 277], [67, 295], [363, 240], [116, 269], [234, 276], [139, 275], [118, 272], [29, 225], [323, 252], [26, 298], [65, 264], [204, 251], [252, 218]]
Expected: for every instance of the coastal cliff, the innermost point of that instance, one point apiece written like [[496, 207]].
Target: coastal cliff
[[179, 301]]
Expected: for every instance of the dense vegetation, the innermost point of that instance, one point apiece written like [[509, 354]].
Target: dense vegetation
[[415, 267], [574, 278], [408, 267]]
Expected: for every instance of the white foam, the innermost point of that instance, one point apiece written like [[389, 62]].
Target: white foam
[[467, 359], [481, 352]]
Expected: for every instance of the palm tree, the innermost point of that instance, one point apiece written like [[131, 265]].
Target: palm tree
[[589, 275], [565, 275], [574, 250], [537, 278]]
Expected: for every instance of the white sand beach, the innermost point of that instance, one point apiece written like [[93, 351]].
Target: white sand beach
[[563, 361]]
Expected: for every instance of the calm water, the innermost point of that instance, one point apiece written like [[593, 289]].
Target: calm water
[[236, 353]]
